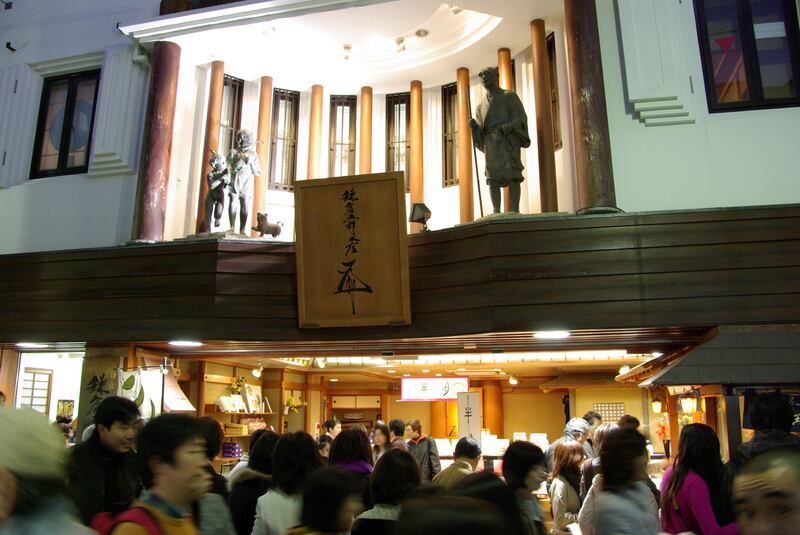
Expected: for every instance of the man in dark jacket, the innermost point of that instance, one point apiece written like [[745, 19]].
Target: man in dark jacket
[[424, 450], [102, 470], [772, 418], [397, 428]]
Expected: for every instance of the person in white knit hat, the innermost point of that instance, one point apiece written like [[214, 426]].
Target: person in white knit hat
[[33, 493]]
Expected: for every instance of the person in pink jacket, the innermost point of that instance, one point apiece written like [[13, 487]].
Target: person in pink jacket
[[695, 492]]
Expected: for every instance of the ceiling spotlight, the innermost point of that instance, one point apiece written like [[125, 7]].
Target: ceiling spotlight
[[406, 375], [656, 354], [624, 369], [320, 363], [165, 366], [513, 380], [438, 375], [391, 371], [257, 371], [551, 335], [185, 343], [32, 345], [400, 44], [347, 49], [426, 371], [421, 33], [461, 370], [334, 380]]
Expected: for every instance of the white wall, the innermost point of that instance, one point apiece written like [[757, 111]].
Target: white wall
[[66, 378], [70, 211], [723, 159]]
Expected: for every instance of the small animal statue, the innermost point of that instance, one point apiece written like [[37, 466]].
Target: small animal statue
[[265, 227], [217, 182]]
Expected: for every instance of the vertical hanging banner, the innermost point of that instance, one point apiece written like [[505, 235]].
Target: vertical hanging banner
[[144, 388], [352, 257], [469, 415]]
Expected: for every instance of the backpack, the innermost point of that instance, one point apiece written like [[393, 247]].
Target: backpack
[[104, 523]]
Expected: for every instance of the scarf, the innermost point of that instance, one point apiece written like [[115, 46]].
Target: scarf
[[358, 467]]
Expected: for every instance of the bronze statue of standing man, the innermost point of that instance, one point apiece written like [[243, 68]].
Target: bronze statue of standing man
[[500, 130]]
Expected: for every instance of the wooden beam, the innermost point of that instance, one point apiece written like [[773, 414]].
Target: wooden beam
[[201, 390], [211, 142], [151, 197], [314, 137], [544, 118], [262, 148], [365, 132], [465, 178], [591, 140]]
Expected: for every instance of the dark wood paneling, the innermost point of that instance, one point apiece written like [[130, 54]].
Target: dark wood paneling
[[617, 277]]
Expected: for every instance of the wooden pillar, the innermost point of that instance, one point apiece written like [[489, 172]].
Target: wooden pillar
[[438, 420], [493, 407], [201, 388], [212, 137], [151, 198], [544, 118], [315, 134], [595, 175], [674, 427], [415, 172], [262, 148], [465, 178], [365, 132], [711, 413], [505, 80], [9, 370], [733, 423]]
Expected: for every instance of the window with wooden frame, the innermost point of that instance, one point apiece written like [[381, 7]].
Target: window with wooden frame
[[64, 128], [750, 53], [555, 107], [342, 138], [230, 118], [283, 145], [449, 135], [35, 390], [398, 115]]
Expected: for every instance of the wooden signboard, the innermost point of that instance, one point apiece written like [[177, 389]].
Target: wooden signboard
[[352, 257]]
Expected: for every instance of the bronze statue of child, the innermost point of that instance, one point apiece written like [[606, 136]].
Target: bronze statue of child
[[217, 182]]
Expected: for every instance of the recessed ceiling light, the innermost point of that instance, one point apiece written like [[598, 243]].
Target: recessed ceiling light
[[438, 375], [185, 343], [551, 335], [406, 375], [400, 44], [461, 370], [425, 371], [391, 371], [32, 345], [334, 380], [422, 33]]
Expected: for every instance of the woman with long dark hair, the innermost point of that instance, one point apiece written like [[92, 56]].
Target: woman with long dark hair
[[381, 440], [694, 491], [565, 483]]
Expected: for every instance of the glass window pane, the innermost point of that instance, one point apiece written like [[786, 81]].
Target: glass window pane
[[81, 123], [54, 125], [725, 43], [772, 44]]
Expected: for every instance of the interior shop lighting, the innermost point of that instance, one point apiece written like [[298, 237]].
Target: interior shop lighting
[[185, 343], [319, 362], [513, 380], [624, 369], [391, 371], [257, 371], [334, 380], [165, 366], [551, 335], [32, 345]]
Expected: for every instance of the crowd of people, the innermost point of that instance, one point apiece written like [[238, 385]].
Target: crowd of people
[[129, 479]]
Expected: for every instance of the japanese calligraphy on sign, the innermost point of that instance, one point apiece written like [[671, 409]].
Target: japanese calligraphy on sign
[[349, 284], [352, 258]]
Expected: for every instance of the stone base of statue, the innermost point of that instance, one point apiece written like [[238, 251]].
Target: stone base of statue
[[227, 235], [516, 216]]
